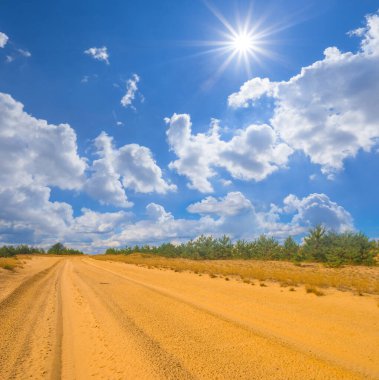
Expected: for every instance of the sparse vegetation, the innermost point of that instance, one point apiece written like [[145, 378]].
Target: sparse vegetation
[[311, 289], [328, 247], [366, 279], [9, 263], [56, 249]]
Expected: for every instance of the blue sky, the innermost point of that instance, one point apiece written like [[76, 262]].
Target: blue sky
[[122, 123]]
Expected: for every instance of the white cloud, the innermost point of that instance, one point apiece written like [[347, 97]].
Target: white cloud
[[359, 32], [157, 213], [92, 222], [100, 54], [237, 217], [160, 226], [329, 111], [318, 209], [104, 183], [27, 214], [131, 90], [252, 90], [30, 217], [139, 170], [252, 154], [36, 156], [232, 204], [3, 39], [33, 151], [25, 53], [129, 167], [85, 79], [313, 177], [226, 182], [370, 42]]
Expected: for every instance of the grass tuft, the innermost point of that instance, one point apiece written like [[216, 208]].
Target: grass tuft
[[311, 289], [10, 263]]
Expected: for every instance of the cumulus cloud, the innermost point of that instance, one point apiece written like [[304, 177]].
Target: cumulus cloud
[[161, 226], [36, 156], [130, 167], [100, 54], [131, 90], [252, 90], [3, 39], [91, 222], [370, 34], [329, 111], [252, 153], [35, 152], [236, 216], [318, 209], [28, 216], [232, 204]]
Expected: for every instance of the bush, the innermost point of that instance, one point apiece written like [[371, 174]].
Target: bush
[[10, 250], [60, 249]]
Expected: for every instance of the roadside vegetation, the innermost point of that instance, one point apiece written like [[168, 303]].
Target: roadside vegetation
[[10, 263], [320, 245], [324, 259], [56, 249], [359, 279]]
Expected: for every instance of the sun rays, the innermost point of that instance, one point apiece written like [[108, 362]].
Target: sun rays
[[245, 43]]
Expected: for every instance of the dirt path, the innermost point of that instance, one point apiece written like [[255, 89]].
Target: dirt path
[[81, 319]]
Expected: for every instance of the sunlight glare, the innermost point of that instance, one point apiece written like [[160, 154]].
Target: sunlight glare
[[243, 43]]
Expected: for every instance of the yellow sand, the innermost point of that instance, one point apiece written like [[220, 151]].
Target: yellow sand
[[79, 318]]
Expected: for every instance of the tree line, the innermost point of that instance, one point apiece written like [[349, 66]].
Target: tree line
[[23, 249], [320, 245]]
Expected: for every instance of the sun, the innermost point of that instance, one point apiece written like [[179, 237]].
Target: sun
[[243, 43], [246, 43]]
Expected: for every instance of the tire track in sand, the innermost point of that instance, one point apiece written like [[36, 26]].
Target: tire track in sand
[[27, 328], [208, 344], [57, 361], [144, 355]]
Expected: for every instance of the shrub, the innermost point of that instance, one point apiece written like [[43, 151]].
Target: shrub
[[60, 249]]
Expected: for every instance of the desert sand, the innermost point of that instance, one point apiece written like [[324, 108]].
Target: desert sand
[[80, 318]]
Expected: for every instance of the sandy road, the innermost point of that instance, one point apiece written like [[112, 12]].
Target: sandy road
[[79, 318]]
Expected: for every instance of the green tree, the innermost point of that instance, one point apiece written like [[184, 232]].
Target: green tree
[[291, 249], [57, 249], [223, 248], [314, 244]]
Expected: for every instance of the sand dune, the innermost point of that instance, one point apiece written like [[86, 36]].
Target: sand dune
[[79, 318]]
